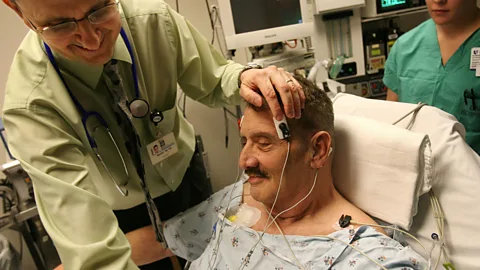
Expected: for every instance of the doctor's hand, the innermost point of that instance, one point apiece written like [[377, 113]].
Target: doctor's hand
[[266, 81]]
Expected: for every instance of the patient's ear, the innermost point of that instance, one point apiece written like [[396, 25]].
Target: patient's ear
[[319, 149]]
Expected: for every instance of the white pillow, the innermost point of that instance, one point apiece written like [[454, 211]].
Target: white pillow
[[380, 168], [456, 174]]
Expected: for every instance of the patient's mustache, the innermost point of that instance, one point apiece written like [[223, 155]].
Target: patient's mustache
[[256, 172]]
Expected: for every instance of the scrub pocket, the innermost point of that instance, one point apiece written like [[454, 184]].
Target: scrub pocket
[[414, 90], [469, 115]]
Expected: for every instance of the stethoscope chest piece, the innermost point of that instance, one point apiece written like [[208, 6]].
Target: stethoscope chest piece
[[139, 108]]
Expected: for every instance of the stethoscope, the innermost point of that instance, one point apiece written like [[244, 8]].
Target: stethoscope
[[138, 108]]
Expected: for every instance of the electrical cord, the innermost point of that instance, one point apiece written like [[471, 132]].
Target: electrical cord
[[225, 121], [286, 241], [359, 251], [214, 17], [428, 254], [295, 205], [270, 213], [217, 244], [183, 107], [437, 210], [415, 112], [290, 46], [286, 210]]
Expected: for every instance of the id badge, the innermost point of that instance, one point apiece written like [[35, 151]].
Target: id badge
[[475, 58], [162, 148]]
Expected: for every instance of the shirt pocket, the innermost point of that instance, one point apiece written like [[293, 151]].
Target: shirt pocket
[[414, 90]]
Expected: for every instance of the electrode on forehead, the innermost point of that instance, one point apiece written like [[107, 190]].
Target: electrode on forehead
[[282, 128]]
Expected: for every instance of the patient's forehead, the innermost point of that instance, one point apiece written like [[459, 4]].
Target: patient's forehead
[[255, 121]]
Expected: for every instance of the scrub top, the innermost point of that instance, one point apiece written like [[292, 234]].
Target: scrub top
[[415, 72]]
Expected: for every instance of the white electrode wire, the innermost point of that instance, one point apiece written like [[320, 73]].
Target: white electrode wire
[[414, 116], [284, 211], [440, 220], [295, 205], [368, 257], [274, 219], [347, 244], [286, 241], [419, 106], [217, 244], [278, 190], [270, 213], [437, 210], [428, 254]]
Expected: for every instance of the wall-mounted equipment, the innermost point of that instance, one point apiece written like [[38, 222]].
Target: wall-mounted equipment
[[327, 6], [374, 8], [336, 38], [375, 51], [248, 23]]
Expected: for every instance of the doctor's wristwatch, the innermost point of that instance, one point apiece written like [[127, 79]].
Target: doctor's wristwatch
[[247, 67]]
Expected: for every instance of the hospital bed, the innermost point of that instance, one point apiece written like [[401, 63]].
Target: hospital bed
[[429, 146]]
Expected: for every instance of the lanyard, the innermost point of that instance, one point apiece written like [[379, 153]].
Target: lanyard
[[151, 207], [75, 101], [134, 67]]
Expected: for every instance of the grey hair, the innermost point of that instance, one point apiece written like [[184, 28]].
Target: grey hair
[[316, 116]]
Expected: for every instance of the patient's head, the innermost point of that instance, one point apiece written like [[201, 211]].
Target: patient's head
[[263, 154]]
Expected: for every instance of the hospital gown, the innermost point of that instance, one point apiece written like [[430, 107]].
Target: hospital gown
[[194, 235]]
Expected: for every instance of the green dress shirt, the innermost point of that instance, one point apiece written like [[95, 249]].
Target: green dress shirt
[[74, 194]]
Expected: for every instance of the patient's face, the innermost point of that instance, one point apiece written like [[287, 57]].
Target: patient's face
[[263, 156]]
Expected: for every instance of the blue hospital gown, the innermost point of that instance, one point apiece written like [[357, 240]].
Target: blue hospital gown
[[194, 235]]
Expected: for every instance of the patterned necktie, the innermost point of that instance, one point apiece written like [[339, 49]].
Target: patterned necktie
[[124, 120]]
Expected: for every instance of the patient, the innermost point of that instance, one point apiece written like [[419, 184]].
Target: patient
[[315, 239]]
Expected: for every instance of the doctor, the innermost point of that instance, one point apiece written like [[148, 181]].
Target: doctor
[[438, 63], [91, 91]]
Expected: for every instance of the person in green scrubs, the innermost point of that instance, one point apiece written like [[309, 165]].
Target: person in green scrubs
[[438, 63], [104, 55]]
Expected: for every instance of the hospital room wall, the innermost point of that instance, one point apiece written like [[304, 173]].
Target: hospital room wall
[[208, 122], [15, 32]]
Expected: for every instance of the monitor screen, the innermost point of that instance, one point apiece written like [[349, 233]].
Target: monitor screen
[[392, 3], [255, 15]]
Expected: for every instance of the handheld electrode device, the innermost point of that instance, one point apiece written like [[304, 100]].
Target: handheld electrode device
[[282, 128]]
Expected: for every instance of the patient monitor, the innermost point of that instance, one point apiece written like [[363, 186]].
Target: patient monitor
[[250, 23]]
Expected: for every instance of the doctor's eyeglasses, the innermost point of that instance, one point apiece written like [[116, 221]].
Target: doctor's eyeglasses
[[69, 28]]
